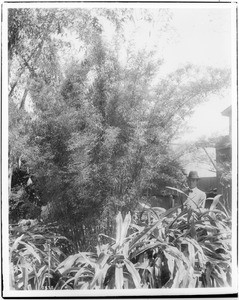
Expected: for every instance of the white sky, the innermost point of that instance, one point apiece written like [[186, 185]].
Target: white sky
[[203, 37]]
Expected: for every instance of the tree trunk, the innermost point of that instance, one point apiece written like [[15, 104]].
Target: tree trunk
[[36, 51], [22, 104]]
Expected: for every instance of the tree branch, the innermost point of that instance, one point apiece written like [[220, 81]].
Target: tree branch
[[211, 160], [26, 63]]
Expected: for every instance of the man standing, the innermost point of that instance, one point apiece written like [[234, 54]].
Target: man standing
[[196, 197]]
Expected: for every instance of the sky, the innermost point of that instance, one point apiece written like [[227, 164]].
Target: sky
[[203, 37]]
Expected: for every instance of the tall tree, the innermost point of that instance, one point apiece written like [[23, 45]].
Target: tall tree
[[98, 135]]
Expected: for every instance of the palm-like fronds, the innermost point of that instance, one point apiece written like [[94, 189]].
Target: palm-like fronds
[[33, 258], [182, 248]]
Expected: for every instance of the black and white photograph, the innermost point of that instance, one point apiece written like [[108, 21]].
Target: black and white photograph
[[119, 149]]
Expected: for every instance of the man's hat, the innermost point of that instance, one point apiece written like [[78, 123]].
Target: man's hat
[[193, 175]]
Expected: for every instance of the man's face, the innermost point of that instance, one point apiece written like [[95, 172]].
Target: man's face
[[192, 183]]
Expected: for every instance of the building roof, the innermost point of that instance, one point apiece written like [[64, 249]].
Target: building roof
[[227, 112]]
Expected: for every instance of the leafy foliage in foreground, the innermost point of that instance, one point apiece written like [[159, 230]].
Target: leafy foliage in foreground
[[35, 253], [181, 248]]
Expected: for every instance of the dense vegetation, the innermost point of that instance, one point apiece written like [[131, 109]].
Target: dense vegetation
[[181, 248], [91, 121]]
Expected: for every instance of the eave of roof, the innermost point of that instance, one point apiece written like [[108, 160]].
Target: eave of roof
[[227, 112]]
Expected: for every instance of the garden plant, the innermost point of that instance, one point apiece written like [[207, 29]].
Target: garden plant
[[93, 118], [176, 248]]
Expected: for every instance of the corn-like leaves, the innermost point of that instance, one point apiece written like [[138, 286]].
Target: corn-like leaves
[[119, 225], [215, 202], [133, 272], [145, 233], [67, 283], [15, 244], [191, 252], [192, 246], [180, 273], [177, 190], [171, 263], [122, 227], [30, 250], [149, 246], [77, 259], [99, 276], [125, 228], [119, 277], [82, 272]]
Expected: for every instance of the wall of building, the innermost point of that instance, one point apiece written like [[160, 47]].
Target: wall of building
[[207, 184]]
